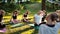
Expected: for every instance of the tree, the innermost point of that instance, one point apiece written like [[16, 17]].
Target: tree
[[43, 5]]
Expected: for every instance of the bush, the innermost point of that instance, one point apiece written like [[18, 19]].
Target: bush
[[51, 6]]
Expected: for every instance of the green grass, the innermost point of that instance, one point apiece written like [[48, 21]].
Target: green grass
[[25, 29]]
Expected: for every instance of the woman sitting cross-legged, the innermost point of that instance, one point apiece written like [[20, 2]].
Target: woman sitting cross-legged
[[13, 19], [25, 17], [2, 25]]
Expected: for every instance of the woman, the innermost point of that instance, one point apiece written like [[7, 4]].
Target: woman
[[2, 12], [2, 26], [14, 17], [38, 18], [58, 13], [44, 16], [25, 19], [51, 27]]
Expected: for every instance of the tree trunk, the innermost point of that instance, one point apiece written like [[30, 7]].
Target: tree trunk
[[8, 1], [43, 5]]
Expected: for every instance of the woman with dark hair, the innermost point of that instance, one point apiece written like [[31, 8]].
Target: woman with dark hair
[[14, 17], [51, 26], [25, 15]]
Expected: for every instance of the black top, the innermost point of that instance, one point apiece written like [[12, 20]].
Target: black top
[[1, 17], [15, 17], [43, 17], [50, 25], [2, 26], [58, 21]]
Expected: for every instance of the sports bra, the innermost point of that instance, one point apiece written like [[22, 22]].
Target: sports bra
[[1, 17], [15, 17]]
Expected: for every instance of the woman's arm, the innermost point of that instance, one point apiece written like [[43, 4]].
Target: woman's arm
[[11, 17]]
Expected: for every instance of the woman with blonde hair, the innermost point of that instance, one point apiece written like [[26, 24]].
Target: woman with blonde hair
[[44, 16], [38, 18]]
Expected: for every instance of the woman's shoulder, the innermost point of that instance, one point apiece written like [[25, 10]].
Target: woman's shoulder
[[58, 23], [35, 15], [42, 25]]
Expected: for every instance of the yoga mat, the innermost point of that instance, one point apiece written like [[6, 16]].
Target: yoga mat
[[17, 25], [31, 24], [3, 30]]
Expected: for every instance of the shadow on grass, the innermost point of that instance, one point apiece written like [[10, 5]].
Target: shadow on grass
[[21, 31], [6, 22], [6, 18]]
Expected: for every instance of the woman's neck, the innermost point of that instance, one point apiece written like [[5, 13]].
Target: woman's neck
[[51, 23]]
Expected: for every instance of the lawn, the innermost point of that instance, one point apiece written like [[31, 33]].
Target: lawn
[[24, 29]]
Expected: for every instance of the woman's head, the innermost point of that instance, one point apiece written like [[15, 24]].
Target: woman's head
[[2, 11], [40, 12], [52, 17], [45, 11], [15, 12], [27, 11]]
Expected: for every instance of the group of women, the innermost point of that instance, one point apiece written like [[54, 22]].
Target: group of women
[[47, 24], [13, 19]]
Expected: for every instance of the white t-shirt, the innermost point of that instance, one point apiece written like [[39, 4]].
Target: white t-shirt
[[44, 29], [38, 18]]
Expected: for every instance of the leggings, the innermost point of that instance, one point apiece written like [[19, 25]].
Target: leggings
[[2, 26]]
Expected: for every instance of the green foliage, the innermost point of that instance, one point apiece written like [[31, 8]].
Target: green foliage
[[35, 0], [9, 7], [51, 6], [0, 0]]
